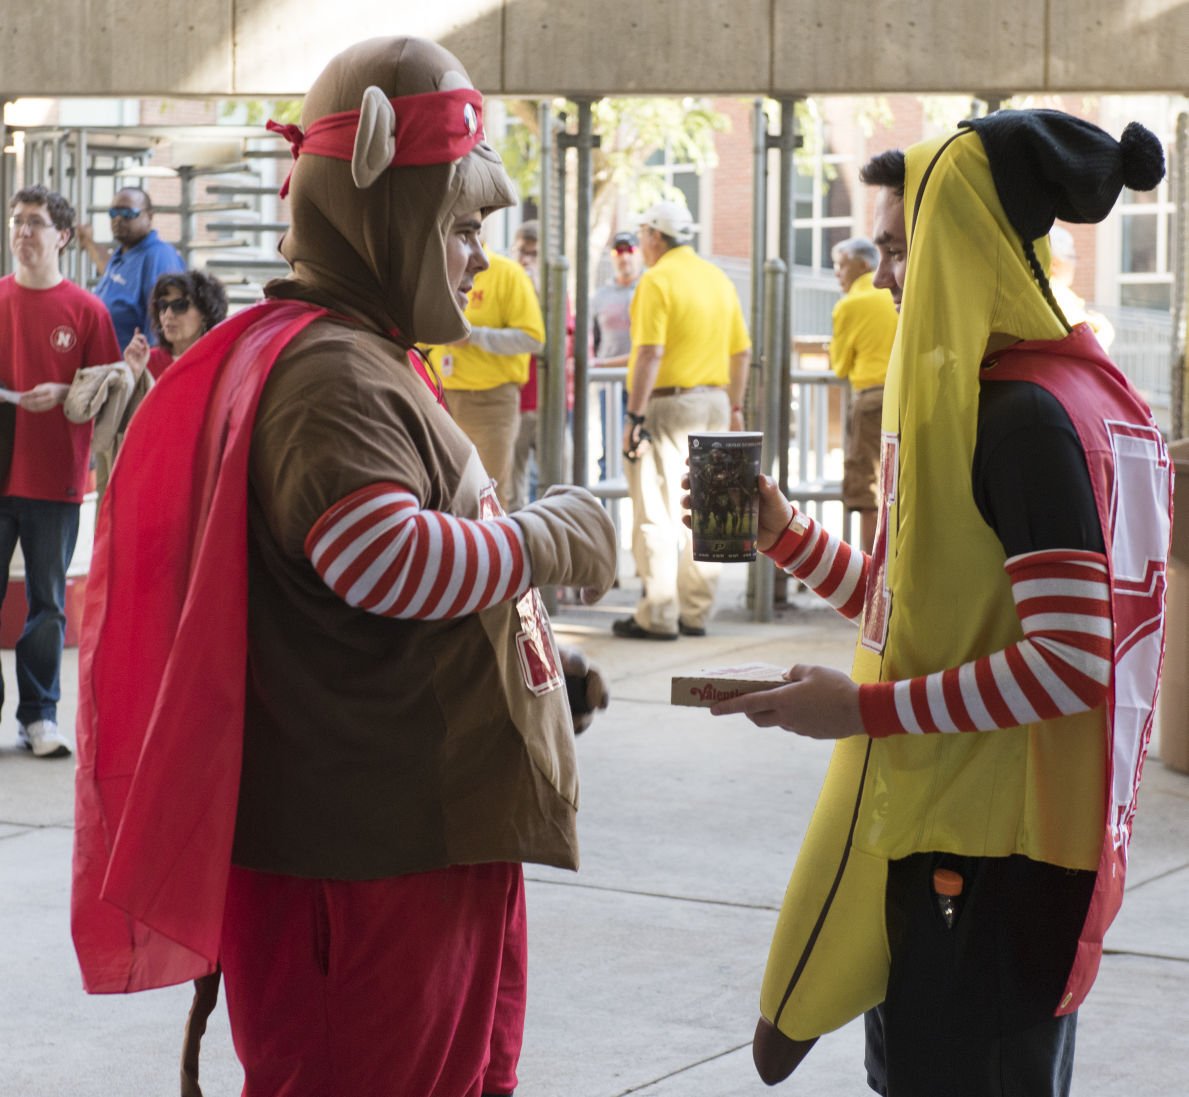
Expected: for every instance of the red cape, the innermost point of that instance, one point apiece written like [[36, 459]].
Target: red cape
[[162, 666]]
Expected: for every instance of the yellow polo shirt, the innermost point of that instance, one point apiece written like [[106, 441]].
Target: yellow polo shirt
[[689, 307], [864, 330], [503, 296]]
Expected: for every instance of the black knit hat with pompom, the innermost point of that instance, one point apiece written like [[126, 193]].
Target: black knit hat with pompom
[[1047, 164]]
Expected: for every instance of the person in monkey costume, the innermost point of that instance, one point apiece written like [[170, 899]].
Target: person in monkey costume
[[323, 720]]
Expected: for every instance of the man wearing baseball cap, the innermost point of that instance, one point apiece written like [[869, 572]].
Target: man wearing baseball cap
[[611, 324], [687, 374], [611, 306]]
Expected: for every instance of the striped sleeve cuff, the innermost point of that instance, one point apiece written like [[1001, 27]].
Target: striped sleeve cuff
[[1062, 666], [380, 552], [827, 565]]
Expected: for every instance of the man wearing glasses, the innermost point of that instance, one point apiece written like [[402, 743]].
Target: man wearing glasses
[[49, 328], [130, 272]]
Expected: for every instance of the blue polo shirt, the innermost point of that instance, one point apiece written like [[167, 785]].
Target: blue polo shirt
[[128, 282]]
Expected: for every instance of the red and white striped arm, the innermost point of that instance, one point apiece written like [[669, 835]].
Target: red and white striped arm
[[1062, 666], [380, 552], [827, 565]]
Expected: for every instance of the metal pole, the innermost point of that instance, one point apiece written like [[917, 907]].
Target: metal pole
[[775, 279], [6, 178], [544, 202], [759, 249], [82, 171], [547, 249], [551, 390], [186, 179], [551, 418], [563, 146], [58, 170], [780, 351], [753, 397], [587, 143], [1180, 289]]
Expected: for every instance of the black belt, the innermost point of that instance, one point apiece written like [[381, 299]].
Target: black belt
[[677, 391]]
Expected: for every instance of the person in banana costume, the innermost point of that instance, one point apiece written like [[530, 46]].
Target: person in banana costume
[[1011, 623]]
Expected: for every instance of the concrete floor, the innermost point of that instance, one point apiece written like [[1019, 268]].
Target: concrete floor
[[646, 964]]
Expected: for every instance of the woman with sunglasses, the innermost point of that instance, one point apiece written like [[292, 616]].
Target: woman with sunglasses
[[183, 307]]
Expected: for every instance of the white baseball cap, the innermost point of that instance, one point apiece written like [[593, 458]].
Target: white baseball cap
[[1061, 244], [670, 219]]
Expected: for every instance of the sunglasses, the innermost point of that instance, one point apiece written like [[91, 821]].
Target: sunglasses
[[625, 249], [177, 306], [126, 213]]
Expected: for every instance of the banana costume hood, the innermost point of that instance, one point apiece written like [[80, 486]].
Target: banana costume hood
[[978, 205]]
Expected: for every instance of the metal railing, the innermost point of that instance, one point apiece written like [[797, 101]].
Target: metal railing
[[1141, 349], [605, 473]]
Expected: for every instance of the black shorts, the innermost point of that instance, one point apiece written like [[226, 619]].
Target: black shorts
[[969, 1009]]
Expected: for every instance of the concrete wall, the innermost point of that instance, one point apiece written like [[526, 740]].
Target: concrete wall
[[595, 47]]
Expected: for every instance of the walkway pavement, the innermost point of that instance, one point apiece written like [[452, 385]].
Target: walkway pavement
[[646, 964]]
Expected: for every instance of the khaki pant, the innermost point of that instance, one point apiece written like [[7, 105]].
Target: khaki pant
[[674, 585], [490, 418], [860, 478], [524, 461]]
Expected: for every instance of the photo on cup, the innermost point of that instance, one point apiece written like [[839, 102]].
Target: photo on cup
[[724, 473]]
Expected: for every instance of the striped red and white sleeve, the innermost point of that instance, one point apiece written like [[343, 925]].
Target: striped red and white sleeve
[[826, 564], [1061, 666], [380, 552]]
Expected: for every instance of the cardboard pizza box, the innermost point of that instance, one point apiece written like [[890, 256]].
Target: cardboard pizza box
[[704, 688]]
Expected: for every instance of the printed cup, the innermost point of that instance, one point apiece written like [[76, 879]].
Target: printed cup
[[724, 474]]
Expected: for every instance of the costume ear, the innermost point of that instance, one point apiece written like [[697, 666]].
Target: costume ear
[[375, 140], [452, 80]]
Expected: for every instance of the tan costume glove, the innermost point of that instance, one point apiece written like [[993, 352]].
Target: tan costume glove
[[570, 540], [585, 685]]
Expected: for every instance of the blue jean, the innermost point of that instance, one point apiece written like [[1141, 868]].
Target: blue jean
[[47, 532]]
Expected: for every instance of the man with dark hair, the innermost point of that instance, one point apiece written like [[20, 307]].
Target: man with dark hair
[[611, 330], [610, 308], [131, 271], [49, 329], [970, 844]]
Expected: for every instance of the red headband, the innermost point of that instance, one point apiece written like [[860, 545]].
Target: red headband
[[435, 127]]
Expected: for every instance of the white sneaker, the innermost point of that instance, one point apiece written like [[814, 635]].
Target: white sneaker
[[43, 738]]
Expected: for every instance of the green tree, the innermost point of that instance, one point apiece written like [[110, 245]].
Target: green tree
[[631, 132]]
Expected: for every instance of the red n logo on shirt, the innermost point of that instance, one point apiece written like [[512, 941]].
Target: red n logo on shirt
[[63, 339]]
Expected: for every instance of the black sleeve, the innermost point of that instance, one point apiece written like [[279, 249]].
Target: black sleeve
[[1030, 480]]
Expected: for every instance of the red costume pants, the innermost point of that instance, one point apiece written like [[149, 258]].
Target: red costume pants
[[412, 986]]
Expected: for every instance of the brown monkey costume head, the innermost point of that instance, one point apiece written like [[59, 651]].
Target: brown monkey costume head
[[391, 146]]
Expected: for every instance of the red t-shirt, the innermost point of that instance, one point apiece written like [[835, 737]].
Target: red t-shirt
[[159, 358], [45, 335]]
